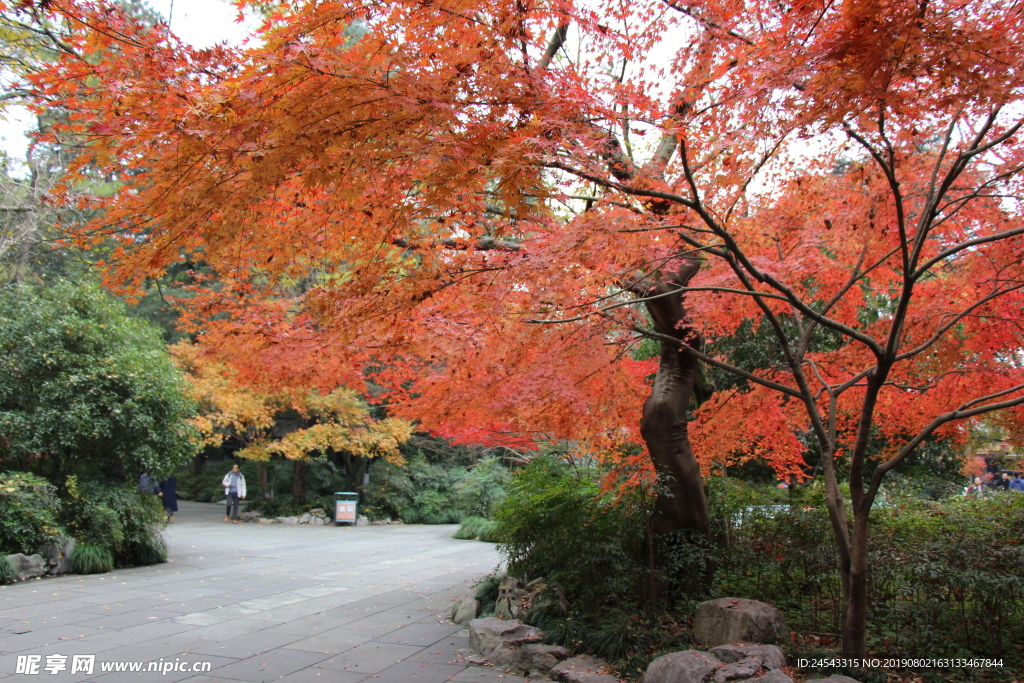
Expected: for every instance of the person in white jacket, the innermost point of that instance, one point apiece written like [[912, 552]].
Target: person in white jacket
[[234, 489]]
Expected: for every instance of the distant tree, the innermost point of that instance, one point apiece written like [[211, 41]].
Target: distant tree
[[297, 423], [86, 388]]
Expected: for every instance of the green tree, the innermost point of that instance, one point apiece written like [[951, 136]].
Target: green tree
[[86, 388]]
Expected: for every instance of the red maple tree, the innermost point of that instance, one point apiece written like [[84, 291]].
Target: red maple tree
[[481, 192]]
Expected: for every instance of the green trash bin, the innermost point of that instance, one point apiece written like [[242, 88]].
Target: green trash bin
[[346, 504]]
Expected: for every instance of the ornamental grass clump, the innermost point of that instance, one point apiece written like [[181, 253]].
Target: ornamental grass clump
[[89, 558], [476, 529]]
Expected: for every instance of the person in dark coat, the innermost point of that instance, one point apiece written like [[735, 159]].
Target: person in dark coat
[[169, 496]]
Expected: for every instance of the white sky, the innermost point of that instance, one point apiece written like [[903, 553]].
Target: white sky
[[200, 22]]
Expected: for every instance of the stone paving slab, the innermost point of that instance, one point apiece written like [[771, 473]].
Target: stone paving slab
[[370, 658], [261, 603], [268, 666], [322, 676]]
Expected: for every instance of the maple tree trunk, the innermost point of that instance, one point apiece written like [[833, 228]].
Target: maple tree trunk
[[855, 566], [854, 630], [680, 510]]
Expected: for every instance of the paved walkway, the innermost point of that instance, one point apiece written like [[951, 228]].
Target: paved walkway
[[261, 603]]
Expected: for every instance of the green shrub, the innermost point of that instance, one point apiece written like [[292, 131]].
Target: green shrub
[[372, 513], [433, 506], [410, 516], [391, 489], [487, 594], [947, 577], [556, 523], [482, 488], [476, 529], [28, 513], [421, 491], [620, 635], [97, 524], [435, 518], [489, 532], [120, 518], [7, 572], [144, 552], [81, 377], [87, 558], [469, 529]]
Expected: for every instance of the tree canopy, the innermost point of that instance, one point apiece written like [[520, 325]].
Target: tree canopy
[[472, 198], [85, 388]]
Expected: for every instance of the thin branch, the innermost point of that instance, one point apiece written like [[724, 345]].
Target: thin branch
[[954, 320], [946, 253], [651, 334], [743, 265], [480, 244], [688, 11], [965, 410], [604, 309], [554, 45], [855, 275]]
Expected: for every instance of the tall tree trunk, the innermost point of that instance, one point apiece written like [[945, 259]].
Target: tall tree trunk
[[855, 581], [854, 631], [198, 461], [299, 481], [355, 469], [680, 510], [272, 487], [261, 472]]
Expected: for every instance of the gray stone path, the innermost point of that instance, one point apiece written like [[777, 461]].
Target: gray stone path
[[261, 603]]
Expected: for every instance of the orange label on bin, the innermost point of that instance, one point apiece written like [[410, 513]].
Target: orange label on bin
[[344, 511]]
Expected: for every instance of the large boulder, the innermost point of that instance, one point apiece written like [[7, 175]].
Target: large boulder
[[738, 671], [28, 566], [530, 657], [582, 669], [515, 599], [491, 633], [510, 601], [513, 645], [770, 656], [547, 596], [465, 610], [688, 666], [59, 558], [732, 620], [315, 517]]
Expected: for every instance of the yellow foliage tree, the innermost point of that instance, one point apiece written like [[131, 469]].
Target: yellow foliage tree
[[337, 422]]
